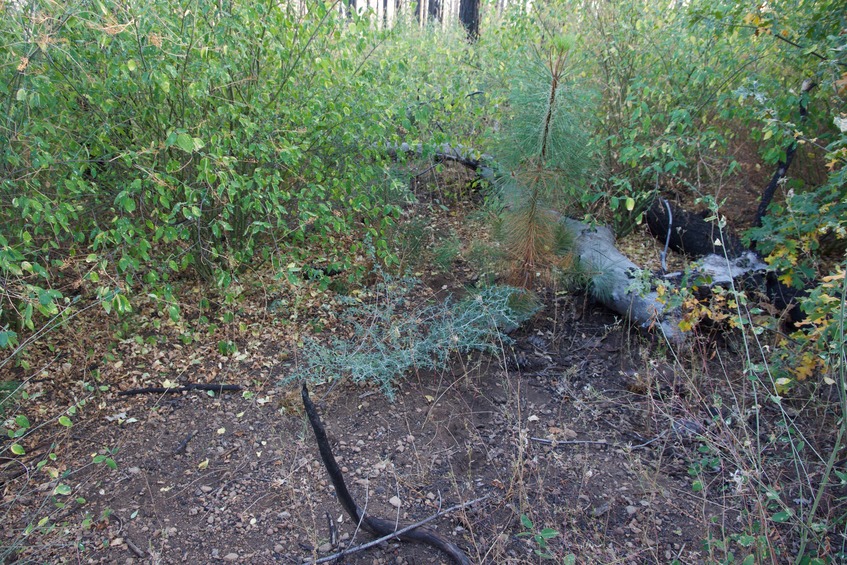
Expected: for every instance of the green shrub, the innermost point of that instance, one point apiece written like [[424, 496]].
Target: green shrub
[[142, 141], [389, 337]]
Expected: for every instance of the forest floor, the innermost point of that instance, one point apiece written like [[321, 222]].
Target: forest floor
[[583, 425]]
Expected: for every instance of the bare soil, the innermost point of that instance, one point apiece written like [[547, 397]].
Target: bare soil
[[557, 430]]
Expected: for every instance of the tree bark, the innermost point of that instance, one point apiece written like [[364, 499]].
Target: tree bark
[[721, 256], [616, 280], [782, 166], [690, 233], [434, 10], [469, 16]]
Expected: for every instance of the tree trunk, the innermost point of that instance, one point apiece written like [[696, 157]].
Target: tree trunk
[[616, 280], [469, 16], [782, 166], [434, 10], [690, 233]]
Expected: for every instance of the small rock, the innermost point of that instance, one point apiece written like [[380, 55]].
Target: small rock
[[600, 510], [206, 488], [631, 510], [133, 470], [231, 557], [117, 541], [430, 496], [394, 501], [278, 548], [325, 548]]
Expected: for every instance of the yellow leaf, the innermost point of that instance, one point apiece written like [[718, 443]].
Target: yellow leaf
[[805, 367], [53, 472], [836, 277], [203, 464]]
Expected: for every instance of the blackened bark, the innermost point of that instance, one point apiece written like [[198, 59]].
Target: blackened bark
[[469, 16], [690, 233], [434, 9], [782, 166]]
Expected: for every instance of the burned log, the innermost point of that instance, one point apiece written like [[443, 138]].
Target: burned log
[[720, 255], [690, 233]]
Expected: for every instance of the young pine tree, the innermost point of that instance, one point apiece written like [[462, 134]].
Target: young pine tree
[[545, 147]]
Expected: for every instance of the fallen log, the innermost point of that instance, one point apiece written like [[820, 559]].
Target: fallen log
[[618, 283], [720, 256], [690, 233], [482, 163]]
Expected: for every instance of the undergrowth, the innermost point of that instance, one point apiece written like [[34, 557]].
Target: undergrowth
[[390, 336]]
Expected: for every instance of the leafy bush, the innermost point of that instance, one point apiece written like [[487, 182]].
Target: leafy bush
[[143, 141]]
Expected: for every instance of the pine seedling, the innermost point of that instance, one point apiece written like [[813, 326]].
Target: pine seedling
[[545, 148]]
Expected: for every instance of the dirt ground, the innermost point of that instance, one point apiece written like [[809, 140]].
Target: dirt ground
[[561, 427], [558, 430]]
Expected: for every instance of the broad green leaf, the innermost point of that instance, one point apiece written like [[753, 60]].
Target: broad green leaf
[[781, 517], [62, 489], [184, 142]]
